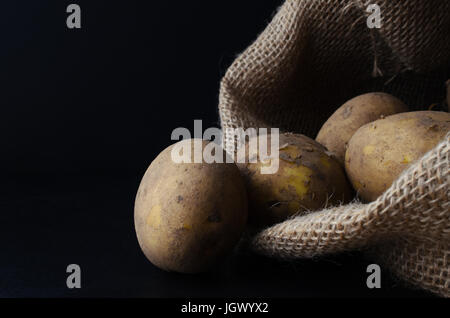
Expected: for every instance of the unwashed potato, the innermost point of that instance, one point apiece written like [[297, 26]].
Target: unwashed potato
[[308, 179], [379, 151], [363, 109], [188, 216]]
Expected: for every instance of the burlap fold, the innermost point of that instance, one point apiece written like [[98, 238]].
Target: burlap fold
[[311, 58]]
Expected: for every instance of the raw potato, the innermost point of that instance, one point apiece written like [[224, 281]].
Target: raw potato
[[188, 216], [363, 109], [307, 179], [379, 151]]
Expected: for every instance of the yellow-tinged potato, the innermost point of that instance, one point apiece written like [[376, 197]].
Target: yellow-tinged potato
[[363, 109], [308, 179], [379, 151], [188, 216]]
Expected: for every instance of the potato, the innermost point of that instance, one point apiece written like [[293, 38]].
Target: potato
[[379, 151], [188, 216], [308, 178], [363, 109]]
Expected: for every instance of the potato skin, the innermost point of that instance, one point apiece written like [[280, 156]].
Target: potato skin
[[379, 151], [358, 111], [188, 216], [307, 179]]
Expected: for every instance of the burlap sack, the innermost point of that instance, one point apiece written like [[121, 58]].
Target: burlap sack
[[311, 58]]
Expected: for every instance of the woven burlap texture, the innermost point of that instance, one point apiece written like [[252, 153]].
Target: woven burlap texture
[[312, 57]]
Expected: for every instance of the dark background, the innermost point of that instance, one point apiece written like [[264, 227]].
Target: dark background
[[84, 112]]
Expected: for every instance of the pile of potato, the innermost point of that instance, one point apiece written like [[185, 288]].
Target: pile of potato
[[376, 138], [189, 216]]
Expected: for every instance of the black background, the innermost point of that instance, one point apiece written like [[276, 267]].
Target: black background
[[84, 112]]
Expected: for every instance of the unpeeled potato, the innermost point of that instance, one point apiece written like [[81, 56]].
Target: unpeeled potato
[[379, 151], [363, 109], [307, 179], [188, 216]]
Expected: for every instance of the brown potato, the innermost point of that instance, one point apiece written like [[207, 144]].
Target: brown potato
[[188, 216], [379, 151], [363, 109], [308, 179]]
